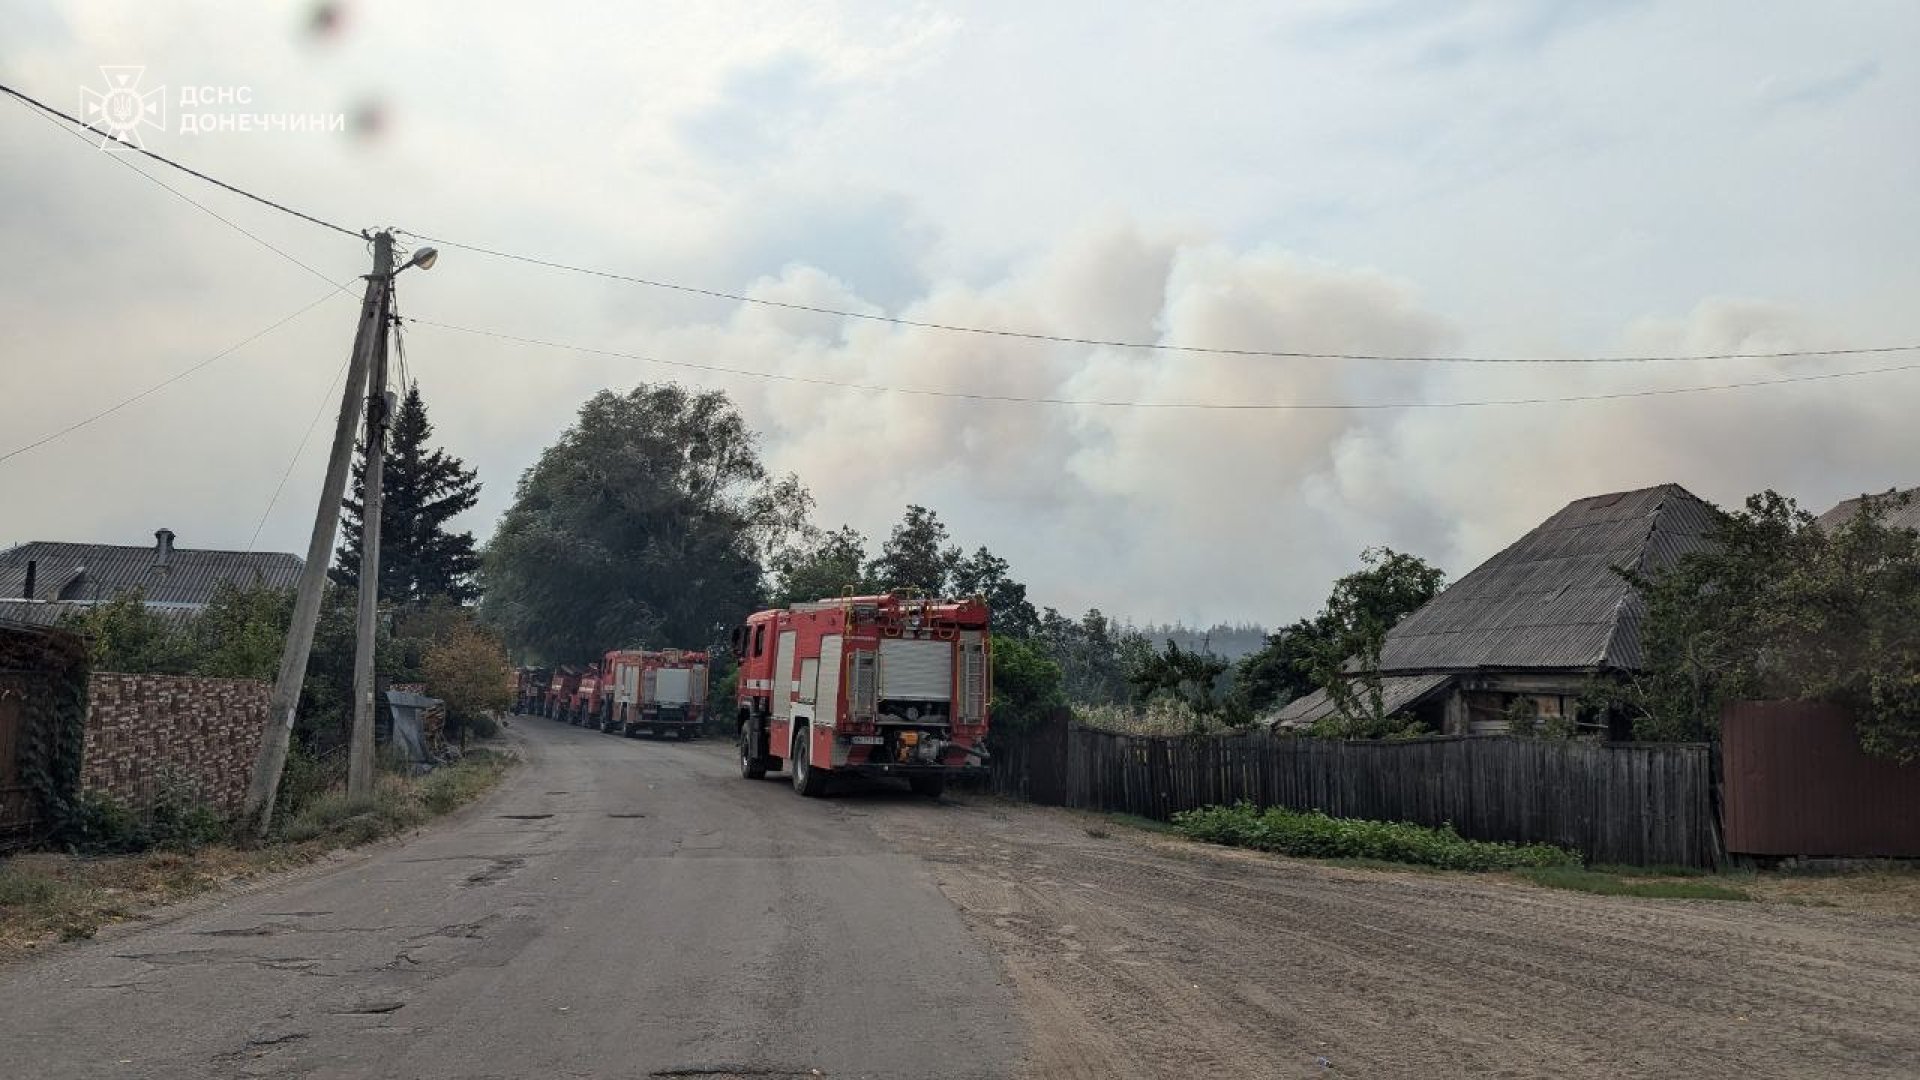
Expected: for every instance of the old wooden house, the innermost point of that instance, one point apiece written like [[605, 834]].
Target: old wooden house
[[1533, 626]]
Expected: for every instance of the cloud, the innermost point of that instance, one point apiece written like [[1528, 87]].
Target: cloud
[[1573, 184], [1819, 92]]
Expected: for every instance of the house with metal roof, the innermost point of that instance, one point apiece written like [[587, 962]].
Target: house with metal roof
[[1536, 622], [1901, 508], [42, 579]]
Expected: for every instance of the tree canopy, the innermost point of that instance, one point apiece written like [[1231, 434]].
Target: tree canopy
[[821, 565], [424, 489], [1338, 649], [916, 555], [648, 523], [1781, 607]]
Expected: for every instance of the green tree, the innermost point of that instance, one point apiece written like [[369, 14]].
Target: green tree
[[123, 634], [1779, 607], [1094, 655], [1026, 684], [468, 669], [648, 522], [985, 574], [1280, 670], [242, 632], [425, 488], [1339, 648], [1346, 659], [825, 564], [1196, 680], [916, 555]]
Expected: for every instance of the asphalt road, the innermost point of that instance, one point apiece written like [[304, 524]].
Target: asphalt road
[[620, 908]]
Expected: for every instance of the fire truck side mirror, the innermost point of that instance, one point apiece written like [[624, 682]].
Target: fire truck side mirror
[[738, 638]]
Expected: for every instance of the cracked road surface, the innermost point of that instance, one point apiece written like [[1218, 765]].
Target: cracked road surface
[[634, 909], [620, 908]]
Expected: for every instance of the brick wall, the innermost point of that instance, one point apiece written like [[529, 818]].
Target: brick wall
[[143, 729]]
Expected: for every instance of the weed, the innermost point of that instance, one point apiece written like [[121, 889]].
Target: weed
[[1135, 821], [1635, 883], [1316, 835]]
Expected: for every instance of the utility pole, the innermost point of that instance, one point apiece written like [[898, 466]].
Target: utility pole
[[278, 727], [365, 688]]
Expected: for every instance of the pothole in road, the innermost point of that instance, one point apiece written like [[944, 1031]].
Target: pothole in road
[[626, 816], [371, 1008], [734, 1071], [525, 817], [501, 869]]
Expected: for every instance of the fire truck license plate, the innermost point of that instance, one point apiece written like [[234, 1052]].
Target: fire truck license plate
[[866, 740]]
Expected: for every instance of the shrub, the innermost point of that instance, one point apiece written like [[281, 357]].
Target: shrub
[[176, 819], [469, 671], [103, 825], [352, 820], [1316, 835]]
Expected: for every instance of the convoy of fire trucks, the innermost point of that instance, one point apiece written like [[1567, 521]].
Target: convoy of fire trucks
[[629, 692], [869, 686]]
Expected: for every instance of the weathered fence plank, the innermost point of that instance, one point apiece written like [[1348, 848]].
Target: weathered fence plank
[[1645, 804]]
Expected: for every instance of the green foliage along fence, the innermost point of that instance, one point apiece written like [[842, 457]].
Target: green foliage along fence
[[1641, 804]]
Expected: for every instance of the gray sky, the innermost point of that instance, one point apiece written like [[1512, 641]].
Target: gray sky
[[1542, 179]]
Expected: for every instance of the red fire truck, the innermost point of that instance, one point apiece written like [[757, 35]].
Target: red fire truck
[[865, 686], [654, 692], [585, 696], [530, 689], [566, 679]]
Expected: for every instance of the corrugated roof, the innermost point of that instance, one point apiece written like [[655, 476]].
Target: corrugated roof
[[1902, 509], [1396, 692], [1552, 600], [48, 613], [190, 577]]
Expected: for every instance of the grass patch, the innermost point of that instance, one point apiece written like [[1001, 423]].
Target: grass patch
[[1318, 836], [1135, 821], [1634, 881], [48, 896], [1891, 889]]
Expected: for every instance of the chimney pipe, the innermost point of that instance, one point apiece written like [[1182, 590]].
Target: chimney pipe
[[33, 572], [163, 548]]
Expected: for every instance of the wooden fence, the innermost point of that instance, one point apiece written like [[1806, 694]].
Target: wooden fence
[[1642, 804]]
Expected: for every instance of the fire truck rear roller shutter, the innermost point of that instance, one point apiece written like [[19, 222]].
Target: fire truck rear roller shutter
[[916, 670], [674, 686]]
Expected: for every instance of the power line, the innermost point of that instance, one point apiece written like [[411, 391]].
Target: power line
[[262, 200], [195, 203], [297, 451], [1288, 354], [1196, 405], [921, 324], [170, 380]]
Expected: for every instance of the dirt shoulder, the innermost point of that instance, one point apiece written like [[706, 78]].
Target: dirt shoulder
[[1141, 955]]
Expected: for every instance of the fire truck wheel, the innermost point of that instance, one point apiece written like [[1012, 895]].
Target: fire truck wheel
[[807, 780], [752, 767], [930, 786]]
